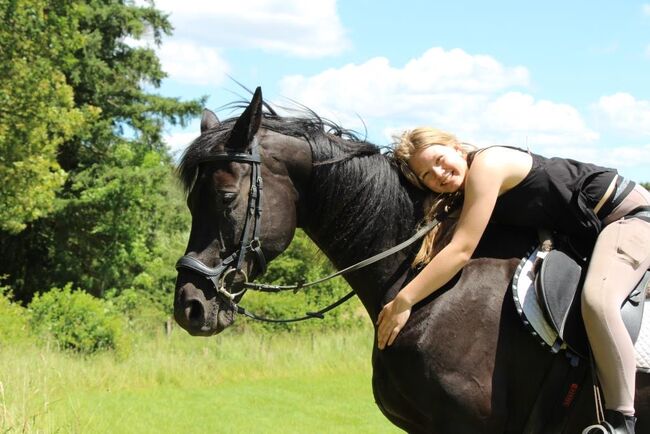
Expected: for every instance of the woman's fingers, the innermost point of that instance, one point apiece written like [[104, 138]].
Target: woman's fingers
[[385, 325], [390, 324], [388, 337], [381, 336], [393, 335]]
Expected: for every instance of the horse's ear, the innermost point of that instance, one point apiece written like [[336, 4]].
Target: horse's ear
[[209, 120], [248, 123]]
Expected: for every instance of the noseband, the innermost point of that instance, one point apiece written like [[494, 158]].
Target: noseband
[[249, 242]]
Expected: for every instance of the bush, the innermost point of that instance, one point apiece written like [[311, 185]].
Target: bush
[[141, 310], [302, 260], [77, 321], [13, 319]]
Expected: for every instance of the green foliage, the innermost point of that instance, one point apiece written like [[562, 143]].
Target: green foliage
[[108, 73], [85, 179], [302, 261], [119, 213], [144, 314], [122, 225], [37, 111], [86, 185], [77, 321], [13, 319]]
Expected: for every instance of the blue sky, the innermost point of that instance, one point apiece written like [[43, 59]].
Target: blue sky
[[562, 78]]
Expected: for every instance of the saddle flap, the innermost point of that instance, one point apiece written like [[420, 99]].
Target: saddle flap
[[557, 284]]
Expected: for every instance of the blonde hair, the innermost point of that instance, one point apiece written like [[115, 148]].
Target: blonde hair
[[437, 206]]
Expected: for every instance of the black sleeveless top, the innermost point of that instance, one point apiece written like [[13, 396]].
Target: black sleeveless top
[[558, 194]]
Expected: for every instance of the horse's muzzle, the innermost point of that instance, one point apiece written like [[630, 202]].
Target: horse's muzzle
[[201, 315]]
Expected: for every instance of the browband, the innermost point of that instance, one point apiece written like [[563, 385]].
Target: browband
[[234, 156]]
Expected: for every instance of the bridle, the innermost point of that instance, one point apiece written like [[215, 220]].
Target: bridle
[[250, 243]]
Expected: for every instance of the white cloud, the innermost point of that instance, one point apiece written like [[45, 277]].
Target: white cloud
[[178, 141], [189, 63], [646, 9], [186, 61], [625, 113], [629, 156], [455, 70], [293, 27], [449, 80], [540, 121], [471, 95], [620, 157]]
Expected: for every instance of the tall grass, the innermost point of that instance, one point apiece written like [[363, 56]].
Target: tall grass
[[230, 383]]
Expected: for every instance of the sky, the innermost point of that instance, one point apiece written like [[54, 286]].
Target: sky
[[561, 78]]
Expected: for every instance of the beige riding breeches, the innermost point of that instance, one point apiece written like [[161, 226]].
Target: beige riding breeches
[[620, 258]]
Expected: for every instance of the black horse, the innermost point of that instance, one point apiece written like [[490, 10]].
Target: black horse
[[463, 364]]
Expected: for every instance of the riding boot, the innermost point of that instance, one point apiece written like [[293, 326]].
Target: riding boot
[[621, 423]]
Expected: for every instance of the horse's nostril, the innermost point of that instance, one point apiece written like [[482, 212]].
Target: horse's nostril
[[195, 314]]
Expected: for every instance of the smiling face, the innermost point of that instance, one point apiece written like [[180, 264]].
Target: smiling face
[[440, 168]]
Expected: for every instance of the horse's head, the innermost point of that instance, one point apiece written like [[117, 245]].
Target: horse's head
[[242, 194]]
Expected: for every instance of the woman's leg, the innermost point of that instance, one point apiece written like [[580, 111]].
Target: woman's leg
[[620, 257]]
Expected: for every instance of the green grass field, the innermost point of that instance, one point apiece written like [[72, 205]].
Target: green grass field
[[289, 383]]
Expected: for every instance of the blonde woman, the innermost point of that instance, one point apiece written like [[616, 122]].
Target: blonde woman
[[599, 209]]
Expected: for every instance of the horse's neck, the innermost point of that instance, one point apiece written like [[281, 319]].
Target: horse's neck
[[355, 213]]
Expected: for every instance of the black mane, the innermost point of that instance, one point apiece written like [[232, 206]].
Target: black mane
[[374, 195]]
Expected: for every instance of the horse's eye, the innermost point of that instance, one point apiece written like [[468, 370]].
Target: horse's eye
[[227, 197]]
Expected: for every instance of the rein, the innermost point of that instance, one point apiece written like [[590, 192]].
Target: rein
[[250, 243], [298, 286]]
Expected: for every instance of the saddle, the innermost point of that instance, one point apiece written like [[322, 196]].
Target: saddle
[[547, 290]]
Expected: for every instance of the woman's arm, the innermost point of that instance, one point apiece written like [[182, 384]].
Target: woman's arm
[[482, 186]]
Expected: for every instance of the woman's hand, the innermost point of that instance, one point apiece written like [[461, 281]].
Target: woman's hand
[[391, 321]]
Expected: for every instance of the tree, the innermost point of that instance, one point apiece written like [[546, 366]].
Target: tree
[[112, 203], [114, 76], [37, 111]]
